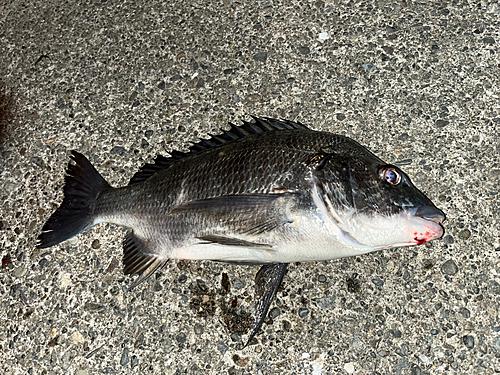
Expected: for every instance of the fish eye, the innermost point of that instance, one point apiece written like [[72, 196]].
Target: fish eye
[[391, 175]]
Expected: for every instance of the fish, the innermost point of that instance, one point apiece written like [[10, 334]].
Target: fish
[[268, 192]]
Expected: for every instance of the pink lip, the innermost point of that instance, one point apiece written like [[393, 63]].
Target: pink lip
[[431, 232]]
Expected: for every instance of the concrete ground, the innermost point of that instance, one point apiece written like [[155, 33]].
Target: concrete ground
[[415, 82]]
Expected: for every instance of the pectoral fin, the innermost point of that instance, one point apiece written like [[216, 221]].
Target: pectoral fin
[[243, 214], [230, 241], [267, 282]]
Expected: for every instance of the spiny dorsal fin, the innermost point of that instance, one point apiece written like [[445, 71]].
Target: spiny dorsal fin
[[260, 125]]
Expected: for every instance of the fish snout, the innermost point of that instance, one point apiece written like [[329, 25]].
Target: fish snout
[[431, 213]]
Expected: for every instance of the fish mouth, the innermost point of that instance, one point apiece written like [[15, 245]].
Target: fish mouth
[[430, 228]]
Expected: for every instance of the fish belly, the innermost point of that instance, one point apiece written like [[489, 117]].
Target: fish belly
[[306, 238]]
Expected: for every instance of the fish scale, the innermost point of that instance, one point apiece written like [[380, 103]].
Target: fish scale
[[268, 192]]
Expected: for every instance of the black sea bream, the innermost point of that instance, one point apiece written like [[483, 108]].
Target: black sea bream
[[268, 192]]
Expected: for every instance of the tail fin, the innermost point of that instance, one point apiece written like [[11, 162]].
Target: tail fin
[[82, 185]]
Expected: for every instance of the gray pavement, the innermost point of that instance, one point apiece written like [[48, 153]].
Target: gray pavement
[[416, 82]]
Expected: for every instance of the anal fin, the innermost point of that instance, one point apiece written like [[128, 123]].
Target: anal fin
[[138, 260], [267, 282]]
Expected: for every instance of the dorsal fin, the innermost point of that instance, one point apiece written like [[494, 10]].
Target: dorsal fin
[[259, 125]]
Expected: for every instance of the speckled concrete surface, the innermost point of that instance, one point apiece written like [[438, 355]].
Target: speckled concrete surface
[[416, 82]]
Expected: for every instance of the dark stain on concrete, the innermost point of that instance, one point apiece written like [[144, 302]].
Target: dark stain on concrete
[[6, 112]]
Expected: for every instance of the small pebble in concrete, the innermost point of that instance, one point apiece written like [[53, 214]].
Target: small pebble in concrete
[[401, 365], [424, 359], [326, 303], [323, 36], [134, 361], [441, 123], [369, 67], [77, 337], [181, 338], [464, 234], [349, 368], [303, 312], [468, 341], [449, 267], [124, 358], [275, 312], [198, 329], [304, 50], [222, 347], [235, 337], [261, 57], [239, 284], [465, 312], [19, 272], [448, 239]]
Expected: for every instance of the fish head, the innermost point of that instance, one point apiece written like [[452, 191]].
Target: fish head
[[374, 204]]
